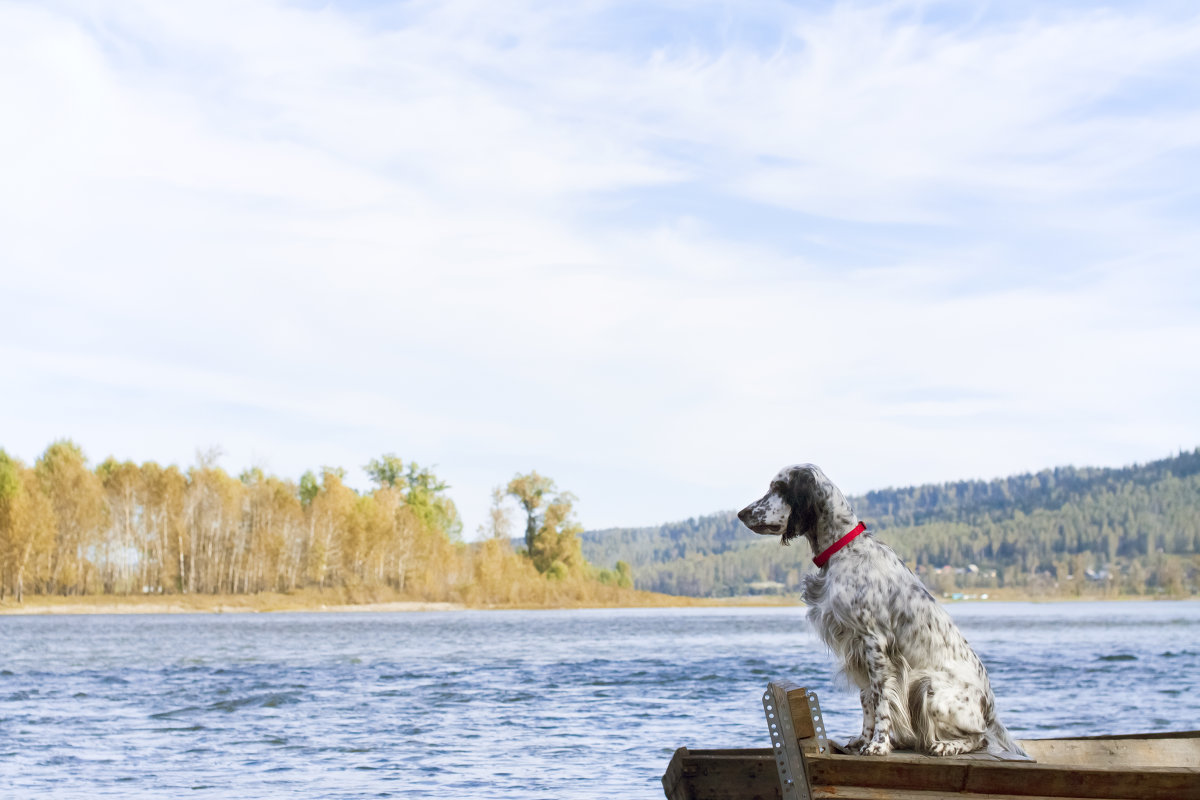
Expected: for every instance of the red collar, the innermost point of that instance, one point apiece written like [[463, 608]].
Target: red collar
[[839, 544]]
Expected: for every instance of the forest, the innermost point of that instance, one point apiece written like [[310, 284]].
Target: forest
[[1060, 532], [120, 528], [123, 528]]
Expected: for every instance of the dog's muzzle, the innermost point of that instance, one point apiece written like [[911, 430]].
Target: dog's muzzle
[[754, 518]]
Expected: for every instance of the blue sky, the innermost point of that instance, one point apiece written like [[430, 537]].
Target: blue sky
[[653, 250]]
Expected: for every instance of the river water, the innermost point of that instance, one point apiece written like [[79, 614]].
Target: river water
[[506, 704]]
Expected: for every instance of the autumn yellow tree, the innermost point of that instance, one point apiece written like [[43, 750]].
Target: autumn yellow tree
[[274, 521], [213, 514], [330, 515], [532, 491], [167, 536], [123, 528], [77, 500], [26, 526], [424, 551], [551, 530], [123, 543], [422, 491], [557, 549]]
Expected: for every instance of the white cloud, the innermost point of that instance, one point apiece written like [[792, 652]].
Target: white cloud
[[655, 268]]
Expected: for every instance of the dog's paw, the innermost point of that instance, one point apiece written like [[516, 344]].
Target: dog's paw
[[876, 748], [950, 748], [856, 745]]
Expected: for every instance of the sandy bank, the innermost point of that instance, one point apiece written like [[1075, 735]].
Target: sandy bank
[[194, 605]]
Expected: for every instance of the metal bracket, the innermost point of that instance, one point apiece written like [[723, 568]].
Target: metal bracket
[[789, 761], [814, 710]]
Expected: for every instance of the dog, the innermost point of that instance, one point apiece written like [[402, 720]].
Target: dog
[[921, 685]]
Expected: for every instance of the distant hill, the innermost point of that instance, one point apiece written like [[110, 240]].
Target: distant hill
[[1072, 530]]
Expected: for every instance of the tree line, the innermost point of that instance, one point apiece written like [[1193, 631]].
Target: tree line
[[1075, 531], [125, 528], [67, 528]]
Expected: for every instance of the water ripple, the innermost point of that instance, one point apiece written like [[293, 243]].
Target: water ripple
[[577, 704]]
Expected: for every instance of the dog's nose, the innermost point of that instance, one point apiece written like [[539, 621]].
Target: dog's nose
[[744, 514]]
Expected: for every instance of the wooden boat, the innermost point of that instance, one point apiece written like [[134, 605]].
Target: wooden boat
[[802, 764]]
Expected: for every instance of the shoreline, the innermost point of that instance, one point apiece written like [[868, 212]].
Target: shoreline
[[283, 604], [311, 601], [219, 605]]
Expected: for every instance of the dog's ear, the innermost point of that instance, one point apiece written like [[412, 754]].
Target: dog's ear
[[804, 497]]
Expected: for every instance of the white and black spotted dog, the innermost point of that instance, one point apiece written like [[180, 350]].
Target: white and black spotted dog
[[922, 686]]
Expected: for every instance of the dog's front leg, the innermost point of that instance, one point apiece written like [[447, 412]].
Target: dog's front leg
[[880, 680], [868, 729]]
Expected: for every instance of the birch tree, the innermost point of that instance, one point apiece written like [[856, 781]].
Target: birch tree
[[167, 534], [330, 513], [26, 526], [212, 511], [123, 545], [77, 500]]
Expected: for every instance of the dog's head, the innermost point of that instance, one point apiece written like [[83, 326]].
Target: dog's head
[[800, 502]]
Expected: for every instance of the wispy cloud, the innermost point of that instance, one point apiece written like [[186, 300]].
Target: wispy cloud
[[652, 250]]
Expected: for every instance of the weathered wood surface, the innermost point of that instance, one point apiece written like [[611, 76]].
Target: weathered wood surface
[[797, 698], [955, 777], [1158, 766], [745, 774], [1151, 750], [722, 775], [870, 793]]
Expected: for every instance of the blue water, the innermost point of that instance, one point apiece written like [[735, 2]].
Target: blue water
[[497, 704]]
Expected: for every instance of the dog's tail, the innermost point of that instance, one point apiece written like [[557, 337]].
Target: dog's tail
[[919, 712], [999, 742], [976, 725]]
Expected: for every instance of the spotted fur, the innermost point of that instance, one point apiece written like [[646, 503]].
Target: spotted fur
[[921, 685]]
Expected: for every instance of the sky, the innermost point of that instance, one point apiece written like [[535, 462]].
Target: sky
[[653, 250]]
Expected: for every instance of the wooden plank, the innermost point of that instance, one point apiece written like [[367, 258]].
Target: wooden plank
[[797, 698], [907, 772], [874, 793], [896, 771], [1143, 783], [674, 787], [1155, 735], [718, 775], [1117, 752], [745, 774]]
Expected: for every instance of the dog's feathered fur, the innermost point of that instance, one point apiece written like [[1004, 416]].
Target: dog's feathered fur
[[921, 685]]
